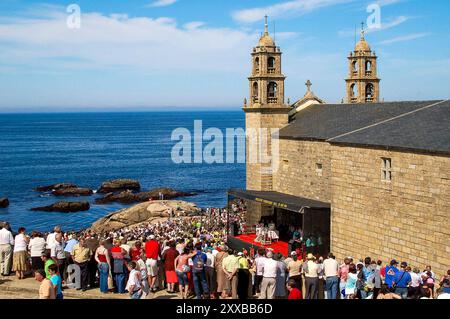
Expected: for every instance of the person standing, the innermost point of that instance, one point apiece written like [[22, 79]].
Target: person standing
[[68, 249], [199, 273], [81, 256], [259, 262], [6, 249], [243, 277], [331, 269], [118, 265], [280, 285], [46, 289], [269, 273], [152, 250], [230, 266], [294, 267], [51, 237], [55, 278], [104, 266], [343, 275], [391, 273], [350, 285], [168, 257], [36, 247], [402, 281], [134, 286], [20, 253], [48, 261], [220, 274], [311, 270], [58, 255], [144, 276], [211, 272]]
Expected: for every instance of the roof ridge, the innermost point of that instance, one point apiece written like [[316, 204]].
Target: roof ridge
[[387, 120]]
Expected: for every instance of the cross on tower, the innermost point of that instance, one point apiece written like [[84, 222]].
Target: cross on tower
[[362, 30], [266, 25], [308, 85]]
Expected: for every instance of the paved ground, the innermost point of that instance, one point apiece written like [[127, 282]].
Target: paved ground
[[12, 288]]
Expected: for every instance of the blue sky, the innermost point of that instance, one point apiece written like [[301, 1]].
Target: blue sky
[[144, 54]]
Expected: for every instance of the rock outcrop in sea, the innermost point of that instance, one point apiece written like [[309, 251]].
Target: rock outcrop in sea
[[53, 187], [143, 213], [4, 202], [64, 207], [73, 192], [128, 197], [119, 185]]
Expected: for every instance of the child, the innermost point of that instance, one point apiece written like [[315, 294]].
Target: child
[[55, 278], [294, 292]]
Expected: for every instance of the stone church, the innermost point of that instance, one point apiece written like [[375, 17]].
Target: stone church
[[372, 177]]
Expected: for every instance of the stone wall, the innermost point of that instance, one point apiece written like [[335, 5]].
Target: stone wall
[[406, 219], [299, 174]]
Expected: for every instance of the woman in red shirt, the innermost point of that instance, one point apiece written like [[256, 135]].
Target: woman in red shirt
[[136, 251], [294, 292], [169, 257]]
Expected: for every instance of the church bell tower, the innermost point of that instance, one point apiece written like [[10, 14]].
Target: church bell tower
[[265, 111], [362, 84]]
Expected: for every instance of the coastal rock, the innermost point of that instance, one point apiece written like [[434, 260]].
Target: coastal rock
[[74, 192], [59, 186], [119, 185], [143, 213], [64, 207], [4, 202], [128, 197]]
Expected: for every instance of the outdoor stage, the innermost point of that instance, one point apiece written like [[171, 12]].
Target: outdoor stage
[[248, 241]]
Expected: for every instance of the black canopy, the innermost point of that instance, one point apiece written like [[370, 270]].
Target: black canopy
[[280, 200]]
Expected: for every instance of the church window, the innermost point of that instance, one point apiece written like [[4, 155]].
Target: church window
[[368, 66], [255, 91], [369, 92], [352, 90], [271, 65], [257, 65], [272, 90], [386, 169], [355, 66], [319, 169]]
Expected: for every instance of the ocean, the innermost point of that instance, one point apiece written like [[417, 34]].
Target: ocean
[[90, 148]]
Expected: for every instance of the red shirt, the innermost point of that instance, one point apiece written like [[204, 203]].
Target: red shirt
[[136, 253], [152, 249], [295, 294]]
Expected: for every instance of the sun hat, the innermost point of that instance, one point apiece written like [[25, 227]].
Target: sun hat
[[310, 256]]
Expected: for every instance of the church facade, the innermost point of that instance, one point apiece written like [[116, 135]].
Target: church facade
[[382, 167]]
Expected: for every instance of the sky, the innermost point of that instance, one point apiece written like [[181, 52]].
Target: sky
[[131, 55]]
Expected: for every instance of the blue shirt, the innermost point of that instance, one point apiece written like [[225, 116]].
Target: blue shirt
[[367, 272], [70, 244], [402, 279], [203, 258], [391, 272], [56, 281]]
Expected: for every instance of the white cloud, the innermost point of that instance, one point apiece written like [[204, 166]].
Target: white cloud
[[121, 41], [405, 38], [162, 3], [283, 9]]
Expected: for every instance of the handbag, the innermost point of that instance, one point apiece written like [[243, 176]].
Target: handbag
[[110, 283]]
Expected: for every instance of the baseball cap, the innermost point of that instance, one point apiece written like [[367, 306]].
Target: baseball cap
[[404, 264], [240, 254], [151, 236], [293, 253], [394, 262]]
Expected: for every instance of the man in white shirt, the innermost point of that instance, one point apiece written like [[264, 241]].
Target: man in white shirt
[[269, 273], [6, 248], [259, 262], [134, 284], [331, 270], [51, 238], [210, 271], [311, 270]]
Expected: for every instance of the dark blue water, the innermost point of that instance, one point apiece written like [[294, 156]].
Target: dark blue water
[[87, 149]]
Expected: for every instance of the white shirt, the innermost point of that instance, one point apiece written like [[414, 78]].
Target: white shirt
[[269, 268], [313, 269], [36, 246], [20, 243], [6, 238], [51, 240], [57, 251], [259, 265], [330, 267], [415, 279], [134, 281], [143, 268], [210, 259]]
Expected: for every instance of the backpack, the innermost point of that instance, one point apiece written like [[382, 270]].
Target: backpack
[[199, 264]]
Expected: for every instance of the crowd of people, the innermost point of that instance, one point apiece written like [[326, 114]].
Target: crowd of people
[[189, 256]]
